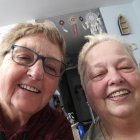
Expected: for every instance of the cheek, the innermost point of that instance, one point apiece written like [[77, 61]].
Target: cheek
[[50, 86], [12, 75], [95, 91], [11, 79], [134, 80], [8, 82], [10, 71]]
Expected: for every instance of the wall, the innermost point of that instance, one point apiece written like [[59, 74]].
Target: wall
[[4, 29], [136, 7], [110, 17]]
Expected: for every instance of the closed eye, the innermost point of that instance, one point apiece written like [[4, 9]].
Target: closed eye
[[97, 77], [51, 69], [126, 68], [24, 58]]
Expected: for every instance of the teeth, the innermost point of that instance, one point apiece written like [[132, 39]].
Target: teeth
[[119, 93], [32, 89]]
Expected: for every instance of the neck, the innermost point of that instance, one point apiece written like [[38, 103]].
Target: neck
[[120, 130], [105, 132], [12, 120]]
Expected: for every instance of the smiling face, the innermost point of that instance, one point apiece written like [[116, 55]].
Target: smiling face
[[112, 80], [28, 89]]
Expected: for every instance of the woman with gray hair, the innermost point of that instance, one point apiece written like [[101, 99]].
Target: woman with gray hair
[[111, 80]]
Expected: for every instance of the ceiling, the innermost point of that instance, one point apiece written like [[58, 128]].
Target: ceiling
[[13, 11]]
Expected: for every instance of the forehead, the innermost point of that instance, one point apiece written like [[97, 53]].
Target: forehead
[[107, 49], [41, 45]]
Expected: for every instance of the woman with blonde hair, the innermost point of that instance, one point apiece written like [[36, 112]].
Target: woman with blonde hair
[[32, 60]]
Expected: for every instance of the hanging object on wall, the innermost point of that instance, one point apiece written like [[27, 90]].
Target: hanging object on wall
[[61, 22], [123, 25], [94, 23], [82, 22], [73, 21]]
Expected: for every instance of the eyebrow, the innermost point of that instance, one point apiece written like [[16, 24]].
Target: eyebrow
[[32, 50]]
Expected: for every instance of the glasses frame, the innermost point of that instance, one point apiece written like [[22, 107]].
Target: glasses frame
[[43, 58]]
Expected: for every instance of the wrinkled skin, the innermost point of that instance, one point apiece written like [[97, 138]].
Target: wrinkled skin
[[112, 81], [20, 104]]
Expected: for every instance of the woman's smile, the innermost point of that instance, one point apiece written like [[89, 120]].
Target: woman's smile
[[118, 95], [29, 88]]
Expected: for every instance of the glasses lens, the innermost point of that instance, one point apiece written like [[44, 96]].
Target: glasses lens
[[23, 56], [54, 67], [27, 57]]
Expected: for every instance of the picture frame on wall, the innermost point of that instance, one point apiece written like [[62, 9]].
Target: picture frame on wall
[[123, 25]]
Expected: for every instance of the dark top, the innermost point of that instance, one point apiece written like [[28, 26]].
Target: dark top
[[48, 124]]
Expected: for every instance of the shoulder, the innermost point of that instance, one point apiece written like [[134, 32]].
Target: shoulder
[[60, 125], [57, 118], [55, 114], [94, 132]]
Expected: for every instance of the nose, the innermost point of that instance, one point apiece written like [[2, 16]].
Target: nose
[[115, 78], [36, 72]]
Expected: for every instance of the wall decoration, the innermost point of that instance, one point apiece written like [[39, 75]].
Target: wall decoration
[[73, 21], [82, 22], [123, 25], [94, 23], [74, 27], [61, 22]]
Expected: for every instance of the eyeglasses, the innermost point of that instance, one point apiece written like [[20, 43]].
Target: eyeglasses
[[27, 57]]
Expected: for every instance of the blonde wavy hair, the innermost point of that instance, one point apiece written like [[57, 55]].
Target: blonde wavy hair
[[48, 30]]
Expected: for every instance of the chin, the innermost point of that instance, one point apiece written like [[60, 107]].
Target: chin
[[122, 112], [26, 108]]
